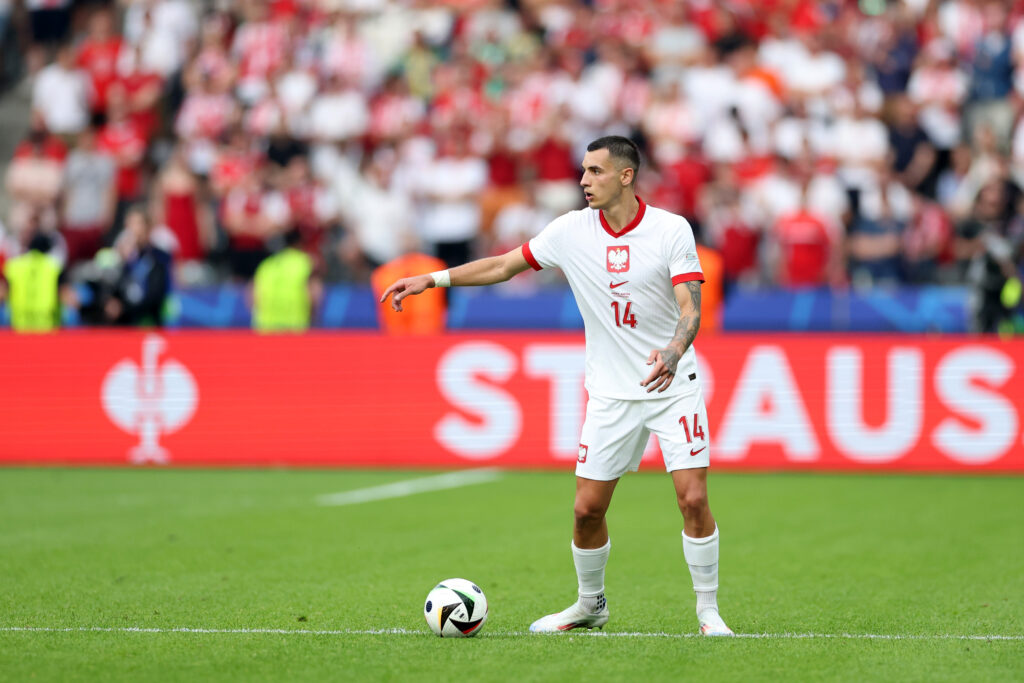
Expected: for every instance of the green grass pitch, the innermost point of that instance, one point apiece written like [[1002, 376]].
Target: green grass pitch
[[240, 555]]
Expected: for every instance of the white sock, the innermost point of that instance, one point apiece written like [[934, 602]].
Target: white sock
[[707, 599], [702, 557], [590, 564]]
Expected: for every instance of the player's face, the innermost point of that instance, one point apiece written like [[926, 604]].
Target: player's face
[[602, 182]]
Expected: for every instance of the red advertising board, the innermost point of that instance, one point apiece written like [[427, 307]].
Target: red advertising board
[[507, 400]]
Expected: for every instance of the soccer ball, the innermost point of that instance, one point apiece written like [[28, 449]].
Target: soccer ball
[[455, 608]]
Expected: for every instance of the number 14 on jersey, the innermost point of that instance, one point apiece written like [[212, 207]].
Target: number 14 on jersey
[[627, 317]]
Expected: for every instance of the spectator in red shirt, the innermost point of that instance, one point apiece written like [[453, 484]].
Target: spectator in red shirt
[[312, 208], [41, 140], [213, 61], [504, 171], [122, 140], [178, 203], [459, 101], [806, 252], [681, 174], [259, 47], [233, 163], [142, 88], [98, 55], [927, 242], [394, 112], [208, 110], [207, 113], [557, 175], [728, 230], [253, 213]]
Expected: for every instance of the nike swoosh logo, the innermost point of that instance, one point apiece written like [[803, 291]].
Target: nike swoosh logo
[[613, 285], [693, 452]]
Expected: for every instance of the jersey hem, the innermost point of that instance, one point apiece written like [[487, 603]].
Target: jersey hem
[[688, 388]]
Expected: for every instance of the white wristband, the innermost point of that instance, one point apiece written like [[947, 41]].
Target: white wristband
[[441, 278]]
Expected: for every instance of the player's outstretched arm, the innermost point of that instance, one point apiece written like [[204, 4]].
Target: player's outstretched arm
[[485, 271], [666, 360]]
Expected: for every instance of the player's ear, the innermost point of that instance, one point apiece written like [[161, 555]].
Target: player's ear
[[626, 176]]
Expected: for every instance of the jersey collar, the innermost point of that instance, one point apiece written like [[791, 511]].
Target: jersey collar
[[632, 224]]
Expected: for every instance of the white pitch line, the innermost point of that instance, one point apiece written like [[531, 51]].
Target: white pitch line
[[400, 489], [498, 634]]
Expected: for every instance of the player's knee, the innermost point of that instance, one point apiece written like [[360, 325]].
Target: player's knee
[[693, 502], [588, 512]]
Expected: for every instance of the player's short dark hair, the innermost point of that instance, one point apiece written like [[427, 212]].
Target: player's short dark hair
[[619, 148]]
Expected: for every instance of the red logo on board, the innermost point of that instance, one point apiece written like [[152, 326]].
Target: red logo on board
[[618, 259]]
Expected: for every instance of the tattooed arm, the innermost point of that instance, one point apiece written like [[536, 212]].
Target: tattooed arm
[[666, 360]]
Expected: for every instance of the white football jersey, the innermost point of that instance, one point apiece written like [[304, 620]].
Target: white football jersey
[[623, 284]]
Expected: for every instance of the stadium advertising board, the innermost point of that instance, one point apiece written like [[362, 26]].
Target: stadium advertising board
[[507, 400]]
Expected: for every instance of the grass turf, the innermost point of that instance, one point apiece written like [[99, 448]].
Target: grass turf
[[809, 554]]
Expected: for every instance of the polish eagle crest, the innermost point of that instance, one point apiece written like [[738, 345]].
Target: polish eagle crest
[[618, 259]]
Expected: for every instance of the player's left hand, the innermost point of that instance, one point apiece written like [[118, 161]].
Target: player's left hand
[[661, 374]]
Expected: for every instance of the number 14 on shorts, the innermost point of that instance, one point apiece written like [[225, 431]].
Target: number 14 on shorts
[[698, 430]]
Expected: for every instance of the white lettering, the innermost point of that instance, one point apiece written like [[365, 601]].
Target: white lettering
[[766, 407], [955, 384], [499, 416], [845, 398], [564, 366]]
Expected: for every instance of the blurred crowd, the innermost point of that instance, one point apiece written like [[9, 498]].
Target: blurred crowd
[[811, 143]]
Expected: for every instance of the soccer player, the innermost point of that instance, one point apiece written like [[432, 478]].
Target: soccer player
[[634, 272]]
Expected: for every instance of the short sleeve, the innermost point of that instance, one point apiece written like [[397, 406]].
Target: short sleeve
[[544, 249], [684, 264]]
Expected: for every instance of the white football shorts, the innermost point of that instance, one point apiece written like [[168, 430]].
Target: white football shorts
[[615, 434]]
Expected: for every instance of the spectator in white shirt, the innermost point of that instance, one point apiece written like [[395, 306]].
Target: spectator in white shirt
[[89, 197], [62, 93], [379, 215], [448, 188], [939, 87], [339, 112], [166, 30]]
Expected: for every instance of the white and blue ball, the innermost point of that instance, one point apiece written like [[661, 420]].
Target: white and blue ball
[[455, 608]]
